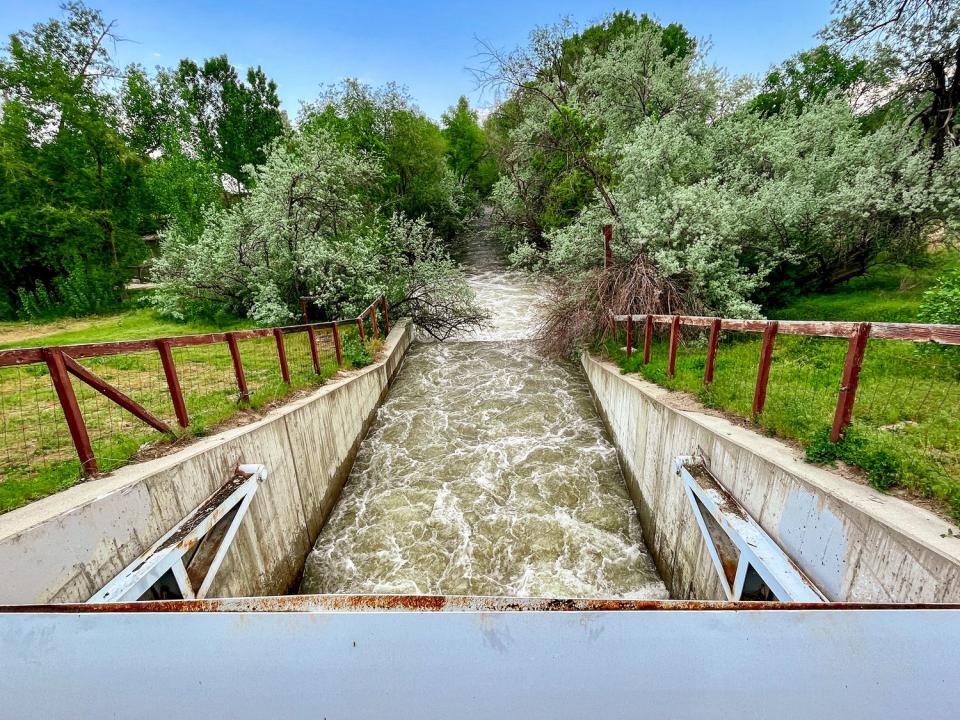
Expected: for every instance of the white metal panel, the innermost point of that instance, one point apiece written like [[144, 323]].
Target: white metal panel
[[753, 547], [167, 553], [811, 663]]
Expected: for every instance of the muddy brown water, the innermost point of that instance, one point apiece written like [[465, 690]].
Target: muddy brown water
[[486, 472]]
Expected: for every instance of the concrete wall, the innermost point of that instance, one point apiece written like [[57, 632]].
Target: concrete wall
[[66, 547], [855, 543]]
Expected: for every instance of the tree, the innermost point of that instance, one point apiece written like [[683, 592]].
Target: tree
[[416, 179], [467, 150], [569, 97], [307, 227], [73, 198], [812, 76], [229, 122], [920, 41]]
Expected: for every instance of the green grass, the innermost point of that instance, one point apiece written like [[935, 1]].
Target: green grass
[[888, 293], [133, 324], [35, 449], [906, 429]]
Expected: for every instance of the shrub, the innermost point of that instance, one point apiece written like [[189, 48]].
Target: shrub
[[941, 304], [882, 465], [86, 291], [6, 309], [36, 304], [357, 352], [81, 291]]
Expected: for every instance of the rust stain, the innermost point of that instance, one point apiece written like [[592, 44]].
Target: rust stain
[[440, 603], [208, 507], [725, 501]]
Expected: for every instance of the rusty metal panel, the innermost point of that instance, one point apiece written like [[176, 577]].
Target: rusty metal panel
[[786, 663]]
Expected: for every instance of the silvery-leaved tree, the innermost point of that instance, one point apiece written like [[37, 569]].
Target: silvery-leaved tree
[[307, 228], [719, 204]]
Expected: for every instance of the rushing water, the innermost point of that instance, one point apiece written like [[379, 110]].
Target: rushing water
[[487, 472]]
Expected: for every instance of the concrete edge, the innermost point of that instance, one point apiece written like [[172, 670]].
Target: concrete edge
[[902, 518], [73, 499]]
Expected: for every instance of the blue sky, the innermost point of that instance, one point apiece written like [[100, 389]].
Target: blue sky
[[425, 46]]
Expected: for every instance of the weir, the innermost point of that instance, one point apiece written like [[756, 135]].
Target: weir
[[478, 531]]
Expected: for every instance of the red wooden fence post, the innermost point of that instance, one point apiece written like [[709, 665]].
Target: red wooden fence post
[[238, 366], [314, 352], [386, 314], [712, 351], [282, 355], [71, 409], [647, 338], [173, 383], [336, 343], [856, 349], [674, 339], [629, 335], [763, 371], [373, 320], [607, 250], [360, 331]]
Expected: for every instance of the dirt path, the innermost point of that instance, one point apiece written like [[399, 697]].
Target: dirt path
[[24, 333]]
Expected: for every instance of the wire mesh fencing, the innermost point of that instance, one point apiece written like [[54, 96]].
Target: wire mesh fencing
[[804, 383], [32, 425], [115, 433], [79, 409], [208, 383], [908, 414], [888, 404]]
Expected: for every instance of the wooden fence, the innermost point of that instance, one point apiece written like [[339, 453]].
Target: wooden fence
[[857, 333], [61, 362]]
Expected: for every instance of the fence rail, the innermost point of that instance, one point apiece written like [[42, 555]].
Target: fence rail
[[272, 354], [857, 334]]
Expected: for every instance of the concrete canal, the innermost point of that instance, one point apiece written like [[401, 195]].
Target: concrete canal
[[486, 472]]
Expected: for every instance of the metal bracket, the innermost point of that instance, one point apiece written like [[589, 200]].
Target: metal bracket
[[750, 564], [184, 562]]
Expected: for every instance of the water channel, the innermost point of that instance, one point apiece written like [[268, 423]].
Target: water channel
[[486, 472]]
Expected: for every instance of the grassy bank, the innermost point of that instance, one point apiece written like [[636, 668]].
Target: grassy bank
[[906, 430], [35, 448]]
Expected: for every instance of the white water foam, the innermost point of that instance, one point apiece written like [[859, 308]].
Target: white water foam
[[487, 472]]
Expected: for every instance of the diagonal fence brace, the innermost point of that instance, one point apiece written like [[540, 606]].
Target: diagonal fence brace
[[112, 393]]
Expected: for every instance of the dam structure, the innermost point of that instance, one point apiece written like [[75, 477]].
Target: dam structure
[[469, 529]]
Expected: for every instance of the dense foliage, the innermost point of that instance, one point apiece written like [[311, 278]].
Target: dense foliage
[[724, 197], [99, 161], [409, 148], [468, 152], [95, 158], [309, 227]]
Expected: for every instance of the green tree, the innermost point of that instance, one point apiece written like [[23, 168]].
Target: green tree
[[229, 122], [73, 197], [565, 110], [416, 179], [467, 150], [810, 76], [307, 227]]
